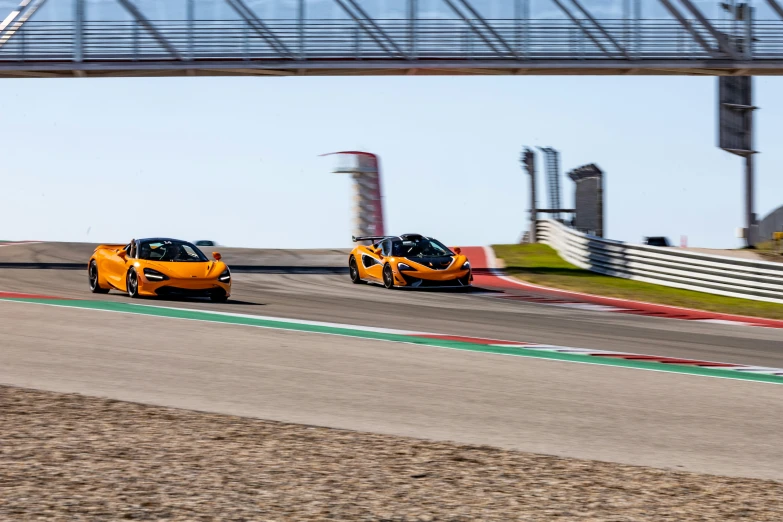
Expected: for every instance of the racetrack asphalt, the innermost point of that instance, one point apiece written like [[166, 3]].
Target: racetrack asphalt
[[615, 414]]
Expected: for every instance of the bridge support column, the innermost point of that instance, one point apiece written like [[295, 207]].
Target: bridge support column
[[78, 40]]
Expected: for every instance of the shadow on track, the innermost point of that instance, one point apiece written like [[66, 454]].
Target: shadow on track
[[178, 299]]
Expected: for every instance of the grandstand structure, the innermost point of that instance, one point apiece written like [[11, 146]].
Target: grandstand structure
[[55, 38]]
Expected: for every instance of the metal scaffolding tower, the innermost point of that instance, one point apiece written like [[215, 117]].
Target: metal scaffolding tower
[[528, 160], [552, 158]]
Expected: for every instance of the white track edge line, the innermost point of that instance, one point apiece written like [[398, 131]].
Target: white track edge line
[[523, 355]]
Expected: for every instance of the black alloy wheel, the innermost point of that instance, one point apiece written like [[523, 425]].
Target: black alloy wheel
[[92, 274], [354, 271], [132, 282], [388, 277]]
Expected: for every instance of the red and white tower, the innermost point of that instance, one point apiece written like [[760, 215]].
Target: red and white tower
[[368, 202]]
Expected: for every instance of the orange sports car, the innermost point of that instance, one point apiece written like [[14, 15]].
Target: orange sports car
[[410, 260], [159, 267]]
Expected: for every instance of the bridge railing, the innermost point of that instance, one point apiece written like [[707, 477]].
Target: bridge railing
[[722, 275], [344, 39]]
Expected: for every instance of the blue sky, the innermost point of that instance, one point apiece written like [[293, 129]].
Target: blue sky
[[237, 159]]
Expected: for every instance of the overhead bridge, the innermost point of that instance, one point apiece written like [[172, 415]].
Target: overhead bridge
[[567, 38]]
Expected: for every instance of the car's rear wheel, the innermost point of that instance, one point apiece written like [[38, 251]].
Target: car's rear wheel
[[388, 277], [95, 285], [354, 271], [132, 283]]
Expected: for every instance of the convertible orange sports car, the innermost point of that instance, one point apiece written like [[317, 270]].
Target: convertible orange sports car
[[159, 267], [410, 260]]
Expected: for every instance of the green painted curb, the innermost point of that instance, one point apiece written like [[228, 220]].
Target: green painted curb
[[197, 315]]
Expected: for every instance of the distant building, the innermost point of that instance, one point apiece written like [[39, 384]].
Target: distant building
[[770, 224], [588, 199]]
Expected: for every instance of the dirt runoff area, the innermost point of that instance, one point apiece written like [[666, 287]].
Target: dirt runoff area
[[70, 457]]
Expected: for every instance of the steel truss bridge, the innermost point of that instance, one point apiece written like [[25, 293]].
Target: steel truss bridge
[[567, 38]]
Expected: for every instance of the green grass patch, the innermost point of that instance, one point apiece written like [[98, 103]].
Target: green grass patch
[[541, 265], [770, 251]]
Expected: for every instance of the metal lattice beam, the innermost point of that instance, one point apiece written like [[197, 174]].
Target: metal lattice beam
[[26, 14], [688, 27], [260, 27], [361, 24], [471, 25], [601, 28], [581, 26], [150, 27], [78, 41], [776, 7], [375, 26], [466, 43], [723, 42], [13, 14], [487, 26]]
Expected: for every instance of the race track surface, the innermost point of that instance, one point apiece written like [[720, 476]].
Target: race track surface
[[638, 417]]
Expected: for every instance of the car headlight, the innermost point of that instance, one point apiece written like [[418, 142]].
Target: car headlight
[[403, 266], [154, 275], [225, 277], [466, 265]]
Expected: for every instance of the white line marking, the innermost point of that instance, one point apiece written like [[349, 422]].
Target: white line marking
[[595, 362], [724, 321], [290, 321]]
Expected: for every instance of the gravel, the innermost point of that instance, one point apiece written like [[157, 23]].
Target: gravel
[[71, 457]]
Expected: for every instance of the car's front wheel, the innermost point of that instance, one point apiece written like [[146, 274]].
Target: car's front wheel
[[388, 277], [95, 285], [354, 271], [132, 283]]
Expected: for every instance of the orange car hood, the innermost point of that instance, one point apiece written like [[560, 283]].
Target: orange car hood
[[187, 270]]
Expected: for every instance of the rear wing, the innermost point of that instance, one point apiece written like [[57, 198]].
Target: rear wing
[[368, 238]]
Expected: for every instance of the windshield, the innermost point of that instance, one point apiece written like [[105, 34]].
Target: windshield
[[170, 250], [419, 248]]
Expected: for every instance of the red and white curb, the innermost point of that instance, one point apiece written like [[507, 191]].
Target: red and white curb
[[578, 300], [515, 344], [609, 354], [519, 348]]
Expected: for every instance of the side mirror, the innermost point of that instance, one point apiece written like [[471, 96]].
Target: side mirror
[[122, 254], [217, 256], [457, 250]]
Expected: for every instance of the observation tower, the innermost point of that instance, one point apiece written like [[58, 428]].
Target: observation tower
[[368, 202]]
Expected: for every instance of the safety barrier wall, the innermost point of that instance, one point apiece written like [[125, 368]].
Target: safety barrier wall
[[735, 277]]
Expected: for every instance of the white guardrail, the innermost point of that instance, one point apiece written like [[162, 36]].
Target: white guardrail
[[729, 276]]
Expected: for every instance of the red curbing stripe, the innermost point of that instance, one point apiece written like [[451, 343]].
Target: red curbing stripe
[[478, 260], [664, 360]]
